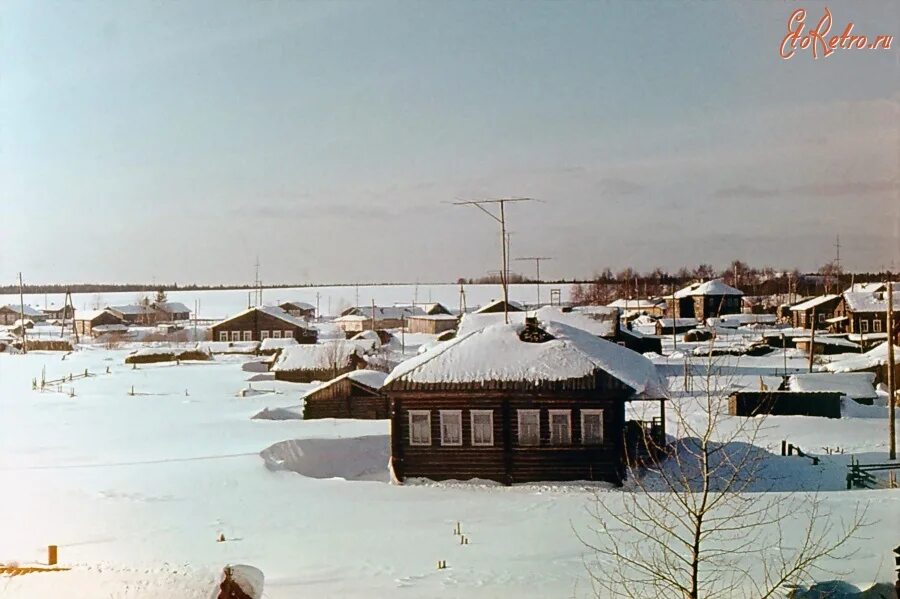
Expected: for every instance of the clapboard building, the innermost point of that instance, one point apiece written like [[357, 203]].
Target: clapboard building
[[704, 300], [355, 394], [516, 403], [816, 313]]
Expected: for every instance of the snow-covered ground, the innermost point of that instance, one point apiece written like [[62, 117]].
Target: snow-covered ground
[[135, 490]]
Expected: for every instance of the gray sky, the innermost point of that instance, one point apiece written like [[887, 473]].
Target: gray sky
[[176, 141]]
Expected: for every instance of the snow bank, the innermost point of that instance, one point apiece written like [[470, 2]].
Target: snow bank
[[278, 414], [358, 458], [271, 344]]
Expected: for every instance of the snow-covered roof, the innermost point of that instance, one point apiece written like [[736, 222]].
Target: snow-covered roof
[[228, 347], [678, 322], [736, 320], [637, 304], [864, 301], [813, 302], [271, 343], [109, 328], [827, 340], [300, 305], [434, 317], [712, 287], [874, 358], [605, 327], [498, 305], [131, 309], [273, 311], [868, 287], [26, 310], [384, 312], [497, 353], [373, 379], [90, 314], [318, 356], [597, 311], [855, 385], [171, 307]]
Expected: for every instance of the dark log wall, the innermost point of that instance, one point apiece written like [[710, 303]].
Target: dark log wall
[[345, 399], [785, 403], [506, 461], [257, 321]]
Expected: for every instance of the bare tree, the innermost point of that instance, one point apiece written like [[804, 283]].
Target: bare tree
[[698, 519]]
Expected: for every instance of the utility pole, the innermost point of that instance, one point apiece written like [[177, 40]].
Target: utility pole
[[812, 340], [837, 260], [22, 317], [504, 266], [892, 379], [258, 284], [537, 266], [317, 306]]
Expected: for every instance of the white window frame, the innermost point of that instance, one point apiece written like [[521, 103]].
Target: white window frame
[[263, 335], [863, 326], [412, 440], [876, 325], [287, 334], [248, 335], [458, 415], [822, 317], [592, 413], [519, 415], [276, 334], [235, 336], [568, 415], [490, 414], [223, 335]]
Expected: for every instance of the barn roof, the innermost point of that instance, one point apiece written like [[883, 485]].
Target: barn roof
[[813, 302], [384, 312], [92, 314], [855, 385], [171, 307], [371, 379], [300, 305], [499, 355], [497, 306], [135, 309], [874, 301]]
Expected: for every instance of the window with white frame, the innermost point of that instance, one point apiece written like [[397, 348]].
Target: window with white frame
[[529, 427], [248, 335], [451, 427], [876, 325], [821, 318], [263, 335], [276, 334], [863, 326], [419, 427], [235, 335], [223, 335], [560, 427], [592, 427], [482, 428]]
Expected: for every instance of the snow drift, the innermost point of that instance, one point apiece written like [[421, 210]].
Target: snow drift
[[358, 458]]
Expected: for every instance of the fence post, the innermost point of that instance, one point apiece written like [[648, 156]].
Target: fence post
[[51, 555]]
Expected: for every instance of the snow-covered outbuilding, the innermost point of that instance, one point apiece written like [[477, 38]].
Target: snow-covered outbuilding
[[96, 322], [703, 300], [859, 386], [10, 313], [319, 362], [361, 318], [354, 394], [299, 309], [528, 401], [497, 306]]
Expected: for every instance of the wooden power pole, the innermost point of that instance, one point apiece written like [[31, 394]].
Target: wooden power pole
[[537, 266], [891, 375], [504, 266], [22, 317]]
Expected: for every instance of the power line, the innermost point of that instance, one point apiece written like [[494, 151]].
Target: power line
[[537, 266]]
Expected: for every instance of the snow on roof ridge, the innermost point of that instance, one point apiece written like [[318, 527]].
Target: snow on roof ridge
[[814, 301]]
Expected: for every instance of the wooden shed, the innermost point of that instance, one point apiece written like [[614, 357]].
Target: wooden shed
[[355, 394], [299, 309], [826, 404], [433, 324], [95, 322], [319, 362], [262, 322], [516, 403]]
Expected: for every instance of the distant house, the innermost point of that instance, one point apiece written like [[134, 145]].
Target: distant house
[[497, 306], [436, 308], [59, 313], [703, 300], [171, 311], [355, 394], [260, 323], [361, 318], [91, 323], [134, 313], [10, 313], [320, 362], [866, 311], [298, 309], [823, 307], [514, 403], [651, 307]]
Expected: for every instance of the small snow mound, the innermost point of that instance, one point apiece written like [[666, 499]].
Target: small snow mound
[[255, 366], [357, 458], [277, 414]]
